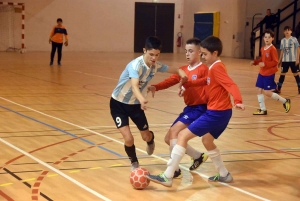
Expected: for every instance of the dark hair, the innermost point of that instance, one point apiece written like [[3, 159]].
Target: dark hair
[[212, 43], [287, 28], [194, 41], [268, 31], [153, 42], [59, 20], [269, 9]]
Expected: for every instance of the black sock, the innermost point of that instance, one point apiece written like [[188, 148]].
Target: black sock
[[280, 82], [152, 140], [131, 153], [297, 80]]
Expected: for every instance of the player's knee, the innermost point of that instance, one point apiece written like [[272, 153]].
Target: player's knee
[[167, 140], [129, 140]]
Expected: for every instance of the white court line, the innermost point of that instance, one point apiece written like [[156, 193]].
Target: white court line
[[231, 122], [122, 143], [57, 171]]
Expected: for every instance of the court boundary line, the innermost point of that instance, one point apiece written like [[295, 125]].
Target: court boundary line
[[56, 170], [117, 141]]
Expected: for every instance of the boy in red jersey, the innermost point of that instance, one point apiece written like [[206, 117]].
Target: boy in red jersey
[[57, 39], [265, 81], [214, 121], [194, 98]]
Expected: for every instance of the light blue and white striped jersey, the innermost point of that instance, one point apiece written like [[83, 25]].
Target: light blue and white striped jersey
[[289, 47], [137, 68]]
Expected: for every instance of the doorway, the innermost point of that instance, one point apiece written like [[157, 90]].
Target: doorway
[[154, 19]]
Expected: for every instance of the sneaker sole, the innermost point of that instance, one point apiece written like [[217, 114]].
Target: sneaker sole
[[155, 181], [203, 160]]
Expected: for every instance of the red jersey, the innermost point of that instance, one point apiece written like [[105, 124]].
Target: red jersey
[[219, 86], [270, 58], [193, 95]]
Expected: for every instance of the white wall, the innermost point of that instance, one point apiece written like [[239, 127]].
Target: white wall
[[108, 25], [93, 25]]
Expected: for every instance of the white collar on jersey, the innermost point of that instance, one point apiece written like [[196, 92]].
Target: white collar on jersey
[[192, 68], [265, 48], [214, 64]]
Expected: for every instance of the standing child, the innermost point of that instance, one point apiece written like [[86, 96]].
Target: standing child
[[129, 97], [213, 122], [194, 98], [265, 81], [288, 58], [57, 39]]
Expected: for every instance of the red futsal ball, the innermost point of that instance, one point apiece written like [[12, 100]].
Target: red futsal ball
[[138, 179]]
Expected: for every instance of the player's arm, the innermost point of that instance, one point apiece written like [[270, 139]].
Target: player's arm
[[280, 58], [51, 34], [164, 68], [170, 81], [223, 79], [136, 90], [297, 52], [66, 37]]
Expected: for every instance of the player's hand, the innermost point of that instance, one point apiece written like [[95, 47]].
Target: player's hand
[[181, 90], [240, 106], [152, 89], [261, 64], [279, 65], [251, 63], [66, 43], [297, 62], [143, 104], [50, 41]]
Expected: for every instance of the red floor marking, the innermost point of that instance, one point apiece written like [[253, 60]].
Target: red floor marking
[[6, 196], [280, 151], [16, 158], [272, 133]]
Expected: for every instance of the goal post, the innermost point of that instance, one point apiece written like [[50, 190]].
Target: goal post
[[12, 29]]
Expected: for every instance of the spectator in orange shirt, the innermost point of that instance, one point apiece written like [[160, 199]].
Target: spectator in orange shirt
[[213, 122], [265, 81], [57, 39]]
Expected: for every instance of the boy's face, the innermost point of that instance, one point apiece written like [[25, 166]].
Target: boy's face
[[192, 53], [268, 39], [208, 57], [287, 32], [151, 56], [59, 23]]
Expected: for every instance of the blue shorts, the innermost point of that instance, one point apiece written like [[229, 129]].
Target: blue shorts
[[191, 113], [266, 82], [212, 121]]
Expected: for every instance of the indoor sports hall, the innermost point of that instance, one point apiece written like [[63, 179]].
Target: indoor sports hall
[[57, 137]]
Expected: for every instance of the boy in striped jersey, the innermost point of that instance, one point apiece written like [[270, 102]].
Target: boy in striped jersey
[[194, 98], [265, 81], [214, 121], [129, 97], [288, 58]]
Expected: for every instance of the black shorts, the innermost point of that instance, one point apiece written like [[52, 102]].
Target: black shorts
[[285, 67], [121, 112]]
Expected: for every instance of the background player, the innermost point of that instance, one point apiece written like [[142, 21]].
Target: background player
[[265, 81]]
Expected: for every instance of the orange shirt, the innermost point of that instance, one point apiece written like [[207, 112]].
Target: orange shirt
[[57, 34], [193, 95], [219, 86], [270, 58]]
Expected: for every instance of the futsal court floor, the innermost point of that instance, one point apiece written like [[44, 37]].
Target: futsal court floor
[[58, 140]]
